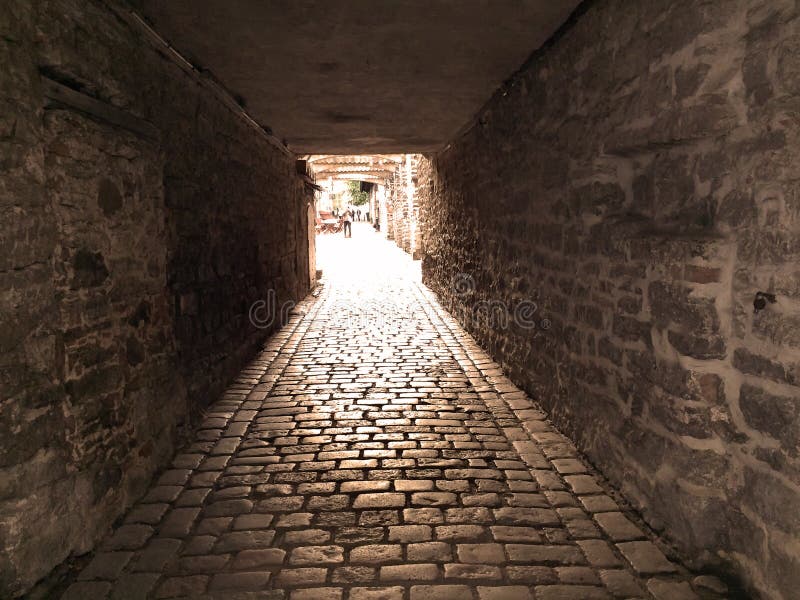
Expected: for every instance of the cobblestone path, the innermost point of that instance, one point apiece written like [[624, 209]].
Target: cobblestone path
[[374, 452]]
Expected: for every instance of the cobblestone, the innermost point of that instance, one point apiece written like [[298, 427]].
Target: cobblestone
[[373, 451]]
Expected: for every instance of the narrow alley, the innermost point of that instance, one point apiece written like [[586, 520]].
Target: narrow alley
[[558, 358], [373, 452]]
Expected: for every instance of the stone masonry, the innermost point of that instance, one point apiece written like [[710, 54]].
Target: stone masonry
[[372, 451], [637, 182], [402, 203], [141, 217], [618, 228]]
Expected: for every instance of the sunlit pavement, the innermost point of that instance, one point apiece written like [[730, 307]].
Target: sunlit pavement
[[364, 257]]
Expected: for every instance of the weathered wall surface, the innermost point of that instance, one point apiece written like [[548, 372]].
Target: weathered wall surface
[[403, 205], [638, 180], [128, 264]]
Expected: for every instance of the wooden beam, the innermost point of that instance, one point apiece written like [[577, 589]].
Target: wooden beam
[[60, 94]]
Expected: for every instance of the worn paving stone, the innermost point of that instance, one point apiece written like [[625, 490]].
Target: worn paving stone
[[372, 451], [128, 537], [306, 537], [244, 540], [304, 576], [375, 554], [410, 533], [571, 592], [240, 581], [472, 572], [618, 527], [481, 553], [377, 593], [599, 553], [440, 592], [379, 500], [671, 590], [416, 572], [106, 565], [646, 558], [193, 585], [429, 552], [253, 559], [203, 564], [531, 574], [507, 592], [319, 593], [316, 555], [87, 589], [134, 586], [621, 584], [354, 574]]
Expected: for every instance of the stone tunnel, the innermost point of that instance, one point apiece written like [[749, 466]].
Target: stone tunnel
[[558, 359]]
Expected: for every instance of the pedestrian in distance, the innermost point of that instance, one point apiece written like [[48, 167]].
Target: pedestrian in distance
[[347, 219]]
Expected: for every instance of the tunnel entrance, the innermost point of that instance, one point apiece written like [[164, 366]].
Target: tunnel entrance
[[555, 356], [381, 190]]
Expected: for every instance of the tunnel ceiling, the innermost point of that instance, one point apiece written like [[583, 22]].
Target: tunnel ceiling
[[359, 76]]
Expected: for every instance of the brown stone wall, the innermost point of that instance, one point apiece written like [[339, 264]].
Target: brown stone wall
[[400, 213], [391, 200], [128, 263], [404, 215], [638, 182]]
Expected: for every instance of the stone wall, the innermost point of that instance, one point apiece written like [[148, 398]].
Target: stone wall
[[403, 212], [390, 199], [135, 234], [638, 181]]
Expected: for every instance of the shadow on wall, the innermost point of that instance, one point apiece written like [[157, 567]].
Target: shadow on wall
[[148, 217], [636, 182]]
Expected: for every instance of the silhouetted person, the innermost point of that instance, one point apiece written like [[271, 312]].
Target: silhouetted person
[[348, 223]]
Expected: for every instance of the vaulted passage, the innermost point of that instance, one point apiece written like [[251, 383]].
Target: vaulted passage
[[556, 360]]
